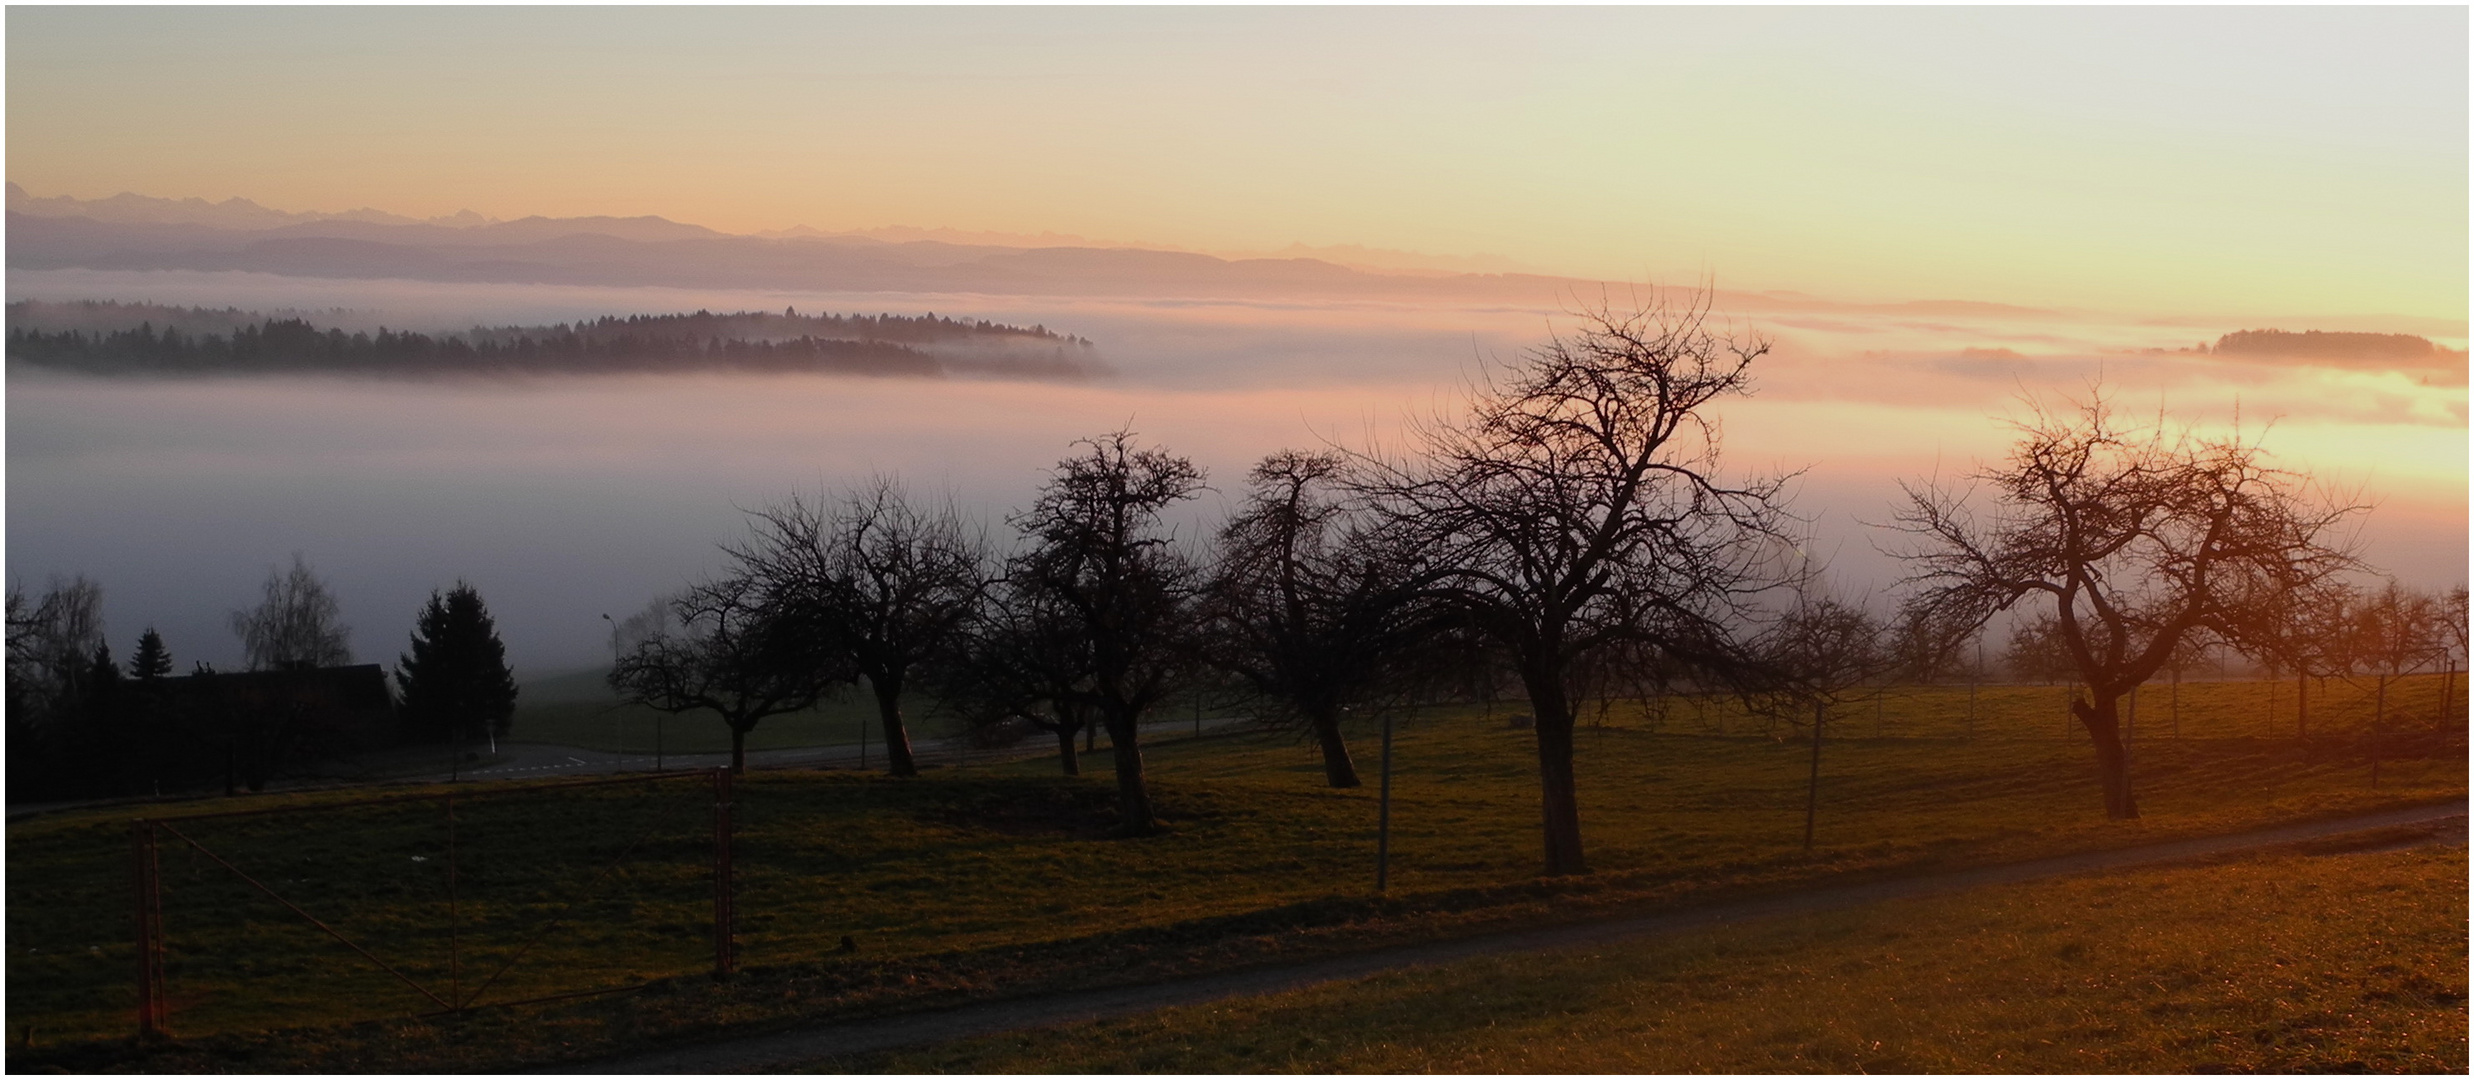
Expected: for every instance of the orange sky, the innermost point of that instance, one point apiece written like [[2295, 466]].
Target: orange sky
[[2232, 161], [2148, 177]]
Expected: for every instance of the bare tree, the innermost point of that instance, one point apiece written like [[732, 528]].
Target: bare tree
[[1926, 646], [1821, 653], [52, 642], [296, 624], [1577, 517], [2137, 538], [2449, 640], [1100, 553], [730, 653], [1023, 658], [51, 647], [1313, 611], [2192, 652], [2036, 651], [2393, 632], [889, 585], [2310, 630]]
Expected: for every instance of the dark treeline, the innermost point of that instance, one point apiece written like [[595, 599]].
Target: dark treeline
[[82, 725], [928, 329], [2330, 345], [788, 341]]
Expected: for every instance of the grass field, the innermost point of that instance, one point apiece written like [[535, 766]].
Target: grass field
[[580, 710], [997, 880], [2331, 963]]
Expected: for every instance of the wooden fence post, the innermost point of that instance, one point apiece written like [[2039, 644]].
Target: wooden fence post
[[149, 906], [725, 958]]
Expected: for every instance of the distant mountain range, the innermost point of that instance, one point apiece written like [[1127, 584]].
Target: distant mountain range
[[233, 213], [133, 232]]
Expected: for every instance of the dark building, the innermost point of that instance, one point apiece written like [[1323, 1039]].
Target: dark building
[[252, 726]]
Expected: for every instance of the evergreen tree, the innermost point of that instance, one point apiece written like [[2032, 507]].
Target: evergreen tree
[[151, 661], [455, 681], [102, 674]]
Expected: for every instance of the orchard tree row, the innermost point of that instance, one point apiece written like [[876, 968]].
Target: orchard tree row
[[1573, 530]]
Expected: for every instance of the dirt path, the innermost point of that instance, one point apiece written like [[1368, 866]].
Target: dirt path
[[782, 1050]]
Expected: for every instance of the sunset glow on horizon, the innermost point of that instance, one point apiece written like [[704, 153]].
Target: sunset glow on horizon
[[1929, 215], [758, 524], [2236, 163]]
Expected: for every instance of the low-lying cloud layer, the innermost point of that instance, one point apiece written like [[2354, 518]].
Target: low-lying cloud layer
[[564, 498]]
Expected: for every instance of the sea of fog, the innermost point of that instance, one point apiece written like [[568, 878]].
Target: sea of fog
[[564, 499]]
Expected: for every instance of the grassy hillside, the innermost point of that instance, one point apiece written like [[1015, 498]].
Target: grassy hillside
[[967, 883]]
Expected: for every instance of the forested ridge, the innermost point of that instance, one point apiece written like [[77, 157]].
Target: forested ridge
[[2335, 345], [785, 341]]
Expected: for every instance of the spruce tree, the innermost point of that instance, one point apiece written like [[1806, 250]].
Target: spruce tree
[[151, 661], [103, 676], [455, 681]]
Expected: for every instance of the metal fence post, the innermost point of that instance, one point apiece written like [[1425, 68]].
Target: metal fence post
[[724, 958], [149, 896]]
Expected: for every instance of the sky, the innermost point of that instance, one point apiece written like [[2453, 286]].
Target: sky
[[2233, 161], [2144, 177]]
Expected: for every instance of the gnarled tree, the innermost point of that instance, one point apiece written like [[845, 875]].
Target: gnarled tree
[[1023, 658], [887, 585], [1311, 609], [1577, 517], [2133, 540], [1102, 556], [730, 653]]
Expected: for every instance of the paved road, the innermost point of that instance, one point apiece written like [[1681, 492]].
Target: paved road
[[781, 1051]]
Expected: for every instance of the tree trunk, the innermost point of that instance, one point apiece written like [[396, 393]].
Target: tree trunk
[[2103, 723], [1559, 797], [1812, 780], [897, 740], [1338, 770], [1134, 817], [738, 749], [1065, 752], [2379, 715], [2302, 706]]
